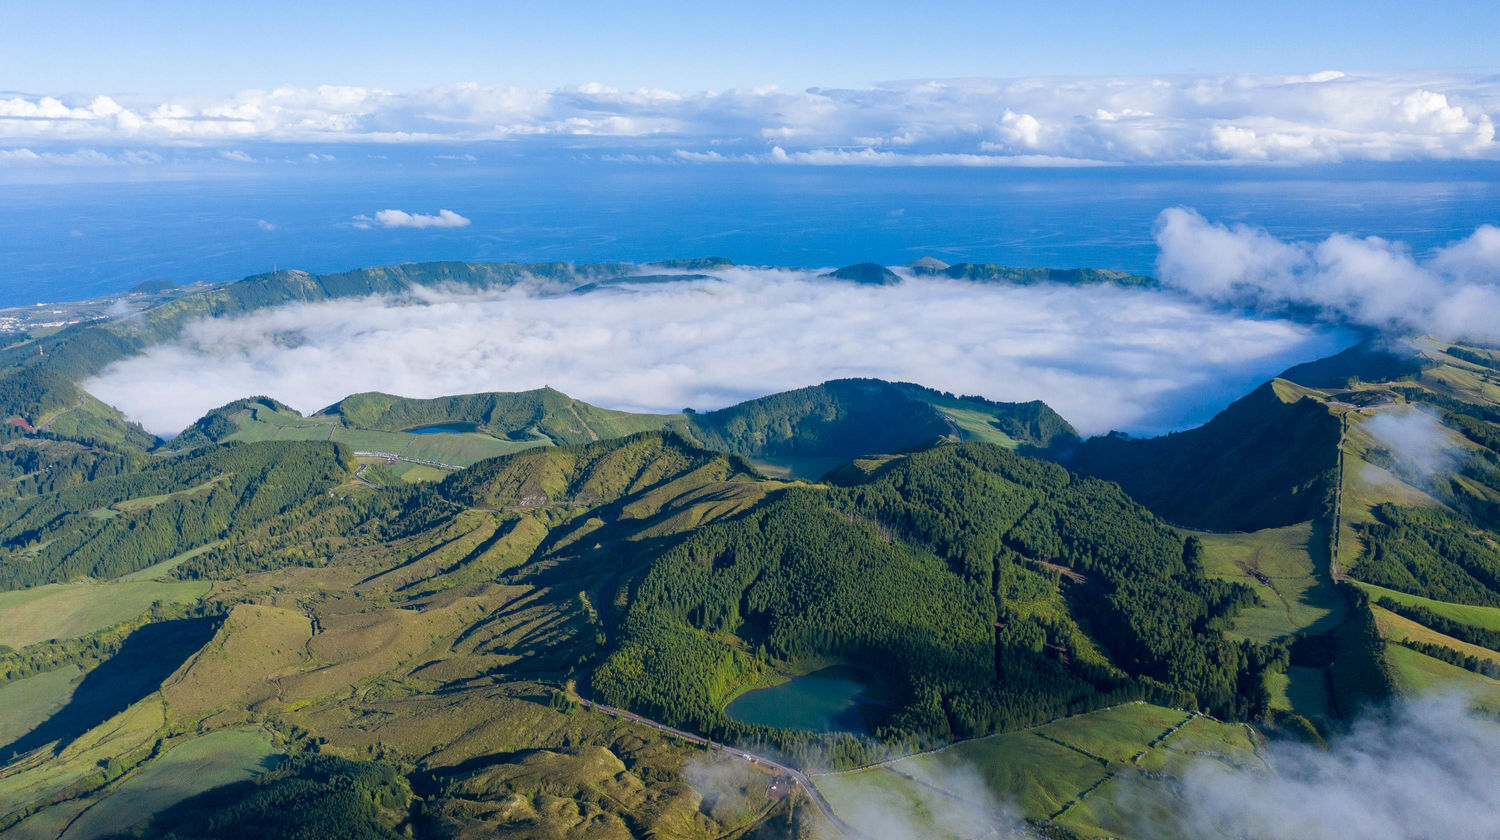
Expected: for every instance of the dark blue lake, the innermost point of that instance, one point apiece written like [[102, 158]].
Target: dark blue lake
[[68, 239], [445, 429]]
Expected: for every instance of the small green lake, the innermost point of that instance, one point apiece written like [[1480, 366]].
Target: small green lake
[[829, 700]]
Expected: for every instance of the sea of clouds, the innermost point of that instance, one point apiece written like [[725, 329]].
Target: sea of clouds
[[1319, 117], [1105, 357], [1420, 769]]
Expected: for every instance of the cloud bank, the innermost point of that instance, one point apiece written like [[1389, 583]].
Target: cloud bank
[[1426, 769], [403, 219], [1105, 357], [1321, 117], [951, 801], [1453, 293], [1420, 446]]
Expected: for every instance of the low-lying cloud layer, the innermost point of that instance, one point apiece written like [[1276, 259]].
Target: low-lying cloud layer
[[1421, 448], [1453, 293], [1330, 116], [949, 802], [1105, 357], [1426, 769]]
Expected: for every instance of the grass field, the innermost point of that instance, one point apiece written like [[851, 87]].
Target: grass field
[[1296, 592], [143, 502], [30, 701], [457, 449], [1063, 770], [128, 732], [190, 768], [462, 449], [157, 571], [1486, 617], [1418, 673], [1301, 690], [407, 472], [70, 610], [978, 426], [1398, 629]]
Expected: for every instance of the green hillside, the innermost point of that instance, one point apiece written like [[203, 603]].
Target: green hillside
[[991, 273], [248, 629], [866, 274], [545, 414], [1264, 462], [846, 418]]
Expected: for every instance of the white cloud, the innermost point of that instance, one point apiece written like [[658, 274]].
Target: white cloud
[[235, 155], [1453, 293], [1421, 448], [1425, 769], [1329, 116], [78, 157], [1106, 357], [403, 219], [265, 225]]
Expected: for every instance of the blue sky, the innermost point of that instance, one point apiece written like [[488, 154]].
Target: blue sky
[[875, 83], [179, 48]]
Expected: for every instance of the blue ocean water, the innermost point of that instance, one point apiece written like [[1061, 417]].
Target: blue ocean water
[[68, 239]]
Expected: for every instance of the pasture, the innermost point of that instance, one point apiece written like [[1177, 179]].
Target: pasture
[[1477, 616], [28, 702], [457, 449], [188, 769], [1399, 629], [1066, 770], [71, 610], [1417, 673], [1285, 568], [1302, 690]]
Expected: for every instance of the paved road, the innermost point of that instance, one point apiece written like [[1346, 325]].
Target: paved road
[[359, 475], [1338, 499], [43, 427]]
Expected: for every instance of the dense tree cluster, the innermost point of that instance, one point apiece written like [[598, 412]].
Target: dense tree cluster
[[33, 392], [37, 466], [1354, 654], [1432, 553]]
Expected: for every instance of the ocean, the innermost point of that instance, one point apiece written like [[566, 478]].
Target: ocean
[[68, 238]]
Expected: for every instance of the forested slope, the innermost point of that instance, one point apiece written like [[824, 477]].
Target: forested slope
[[127, 519], [927, 574], [1263, 462]]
